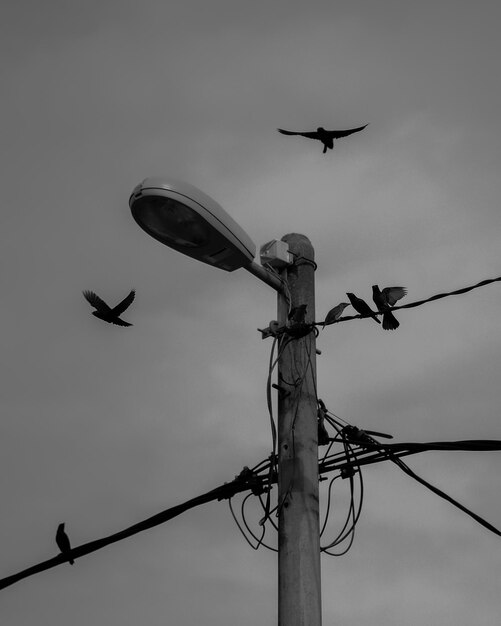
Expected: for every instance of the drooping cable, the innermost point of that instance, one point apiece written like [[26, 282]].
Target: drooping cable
[[354, 511], [328, 507], [243, 533], [282, 345], [260, 540]]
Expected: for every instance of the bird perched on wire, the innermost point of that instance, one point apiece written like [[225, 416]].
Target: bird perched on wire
[[106, 313], [325, 136], [384, 299], [361, 306], [63, 541], [334, 314]]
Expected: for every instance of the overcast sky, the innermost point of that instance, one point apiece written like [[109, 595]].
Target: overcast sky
[[103, 426]]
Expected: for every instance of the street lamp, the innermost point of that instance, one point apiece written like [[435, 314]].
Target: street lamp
[[184, 218], [187, 220]]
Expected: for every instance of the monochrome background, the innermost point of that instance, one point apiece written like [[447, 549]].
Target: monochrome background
[[103, 426]]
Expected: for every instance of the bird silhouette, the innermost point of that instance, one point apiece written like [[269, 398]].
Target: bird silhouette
[[386, 298], [297, 314], [322, 432], [63, 541], [334, 314], [106, 313], [361, 306], [325, 136]]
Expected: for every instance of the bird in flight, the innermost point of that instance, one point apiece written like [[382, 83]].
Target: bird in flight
[[334, 314], [325, 136], [362, 307], [106, 313], [63, 542], [384, 299]]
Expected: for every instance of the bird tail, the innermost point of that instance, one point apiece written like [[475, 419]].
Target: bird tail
[[325, 149], [71, 562], [390, 322]]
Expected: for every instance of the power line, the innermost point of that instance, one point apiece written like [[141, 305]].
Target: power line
[[411, 305], [374, 452], [362, 450], [244, 481], [392, 452]]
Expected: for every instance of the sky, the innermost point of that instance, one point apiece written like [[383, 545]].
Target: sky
[[103, 426]]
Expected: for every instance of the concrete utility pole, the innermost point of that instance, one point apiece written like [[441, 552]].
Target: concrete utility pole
[[299, 597]]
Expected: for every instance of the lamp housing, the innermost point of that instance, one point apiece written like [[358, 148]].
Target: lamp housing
[[184, 218]]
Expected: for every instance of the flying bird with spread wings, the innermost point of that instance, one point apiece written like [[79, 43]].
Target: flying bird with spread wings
[[325, 136], [63, 541], [384, 299], [106, 313]]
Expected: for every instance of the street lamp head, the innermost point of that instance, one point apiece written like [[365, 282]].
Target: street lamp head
[[189, 221]]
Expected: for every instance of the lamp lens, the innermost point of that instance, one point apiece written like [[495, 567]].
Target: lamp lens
[[171, 221]]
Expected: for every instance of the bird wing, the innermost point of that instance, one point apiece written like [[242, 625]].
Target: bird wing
[[336, 134], [330, 318], [126, 302], [309, 135], [393, 294], [96, 301], [335, 313]]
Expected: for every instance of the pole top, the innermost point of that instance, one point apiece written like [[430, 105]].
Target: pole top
[[299, 245]]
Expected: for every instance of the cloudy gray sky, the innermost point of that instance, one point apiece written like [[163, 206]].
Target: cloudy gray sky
[[103, 426]]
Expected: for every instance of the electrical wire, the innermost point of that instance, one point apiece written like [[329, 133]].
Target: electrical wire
[[296, 385], [268, 396], [387, 450], [228, 490], [361, 452], [411, 305], [287, 292], [244, 535], [405, 468], [353, 514], [282, 342], [331, 482], [269, 519], [259, 541]]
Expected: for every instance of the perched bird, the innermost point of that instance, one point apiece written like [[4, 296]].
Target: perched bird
[[104, 312], [325, 136], [384, 300], [298, 314], [63, 542], [334, 314], [322, 432], [361, 306]]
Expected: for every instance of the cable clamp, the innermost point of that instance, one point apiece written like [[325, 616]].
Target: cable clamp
[[248, 478], [272, 330]]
